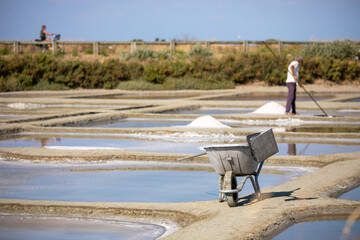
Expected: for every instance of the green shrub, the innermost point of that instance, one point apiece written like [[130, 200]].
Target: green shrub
[[337, 49], [334, 69], [4, 51], [214, 77], [311, 67], [142, 54], [199, 65], [178, 69], [145, 54], [135, 69], [46, 85], [89, 51], [195, 83], [200, 51], [313, 50], [352, 71], [3, 84], [12, 83], [108, 85], [139, 84], [180, 55], [341, 50], [104, 52], [175, 84], [275, 77], [156, 72], [26, 81], [61, 79]]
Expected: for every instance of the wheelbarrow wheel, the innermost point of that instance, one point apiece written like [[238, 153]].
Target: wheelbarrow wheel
[[230, 183]]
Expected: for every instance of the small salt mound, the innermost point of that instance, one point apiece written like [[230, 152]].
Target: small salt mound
[[25, 105], [270, 108], [206, 122]]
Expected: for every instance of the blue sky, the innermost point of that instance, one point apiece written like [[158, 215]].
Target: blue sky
[[124, 20]]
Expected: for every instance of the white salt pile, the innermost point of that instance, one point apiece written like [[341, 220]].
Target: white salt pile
[[25, 105], [270, 108], [206, 122]]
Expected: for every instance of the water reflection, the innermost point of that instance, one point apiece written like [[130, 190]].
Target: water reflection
[[291, 146], [48, 141], [291, 149]]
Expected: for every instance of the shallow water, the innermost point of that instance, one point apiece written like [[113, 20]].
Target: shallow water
[[325, 129], [176, 144], [286, 125], [353, 100], [217, 111], [74, 182], [343, 112], [36, 227], [143, 96], [353, 194], [267, 97], [330, 229], [210, 111], [138, 123]]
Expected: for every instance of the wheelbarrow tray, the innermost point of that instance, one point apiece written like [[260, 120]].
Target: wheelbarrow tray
[[242, 159], [236, 158]]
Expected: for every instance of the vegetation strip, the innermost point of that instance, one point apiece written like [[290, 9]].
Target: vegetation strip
[[198, 69]]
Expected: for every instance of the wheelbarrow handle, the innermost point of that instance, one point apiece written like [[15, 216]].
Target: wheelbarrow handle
[[196, 155]]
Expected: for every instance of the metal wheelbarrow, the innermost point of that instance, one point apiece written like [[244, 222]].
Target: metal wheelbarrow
[[245, 160]]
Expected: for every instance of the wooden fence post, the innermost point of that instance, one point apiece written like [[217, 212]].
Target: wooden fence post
[[280, 46], [133, 47], [246, 46], [172, 46], [207, 44], [96, 48], [16, 47], [54, 47]]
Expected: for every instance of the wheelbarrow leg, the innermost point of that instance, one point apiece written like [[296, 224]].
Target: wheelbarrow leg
[[230, 183], [256, 187], [255, 182], [258, 193], [221, 187]]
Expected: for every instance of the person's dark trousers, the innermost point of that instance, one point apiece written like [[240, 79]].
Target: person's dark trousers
[[290, 102]]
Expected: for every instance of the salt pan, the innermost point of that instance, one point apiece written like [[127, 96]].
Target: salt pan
[[270, 108], [206, 122]]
